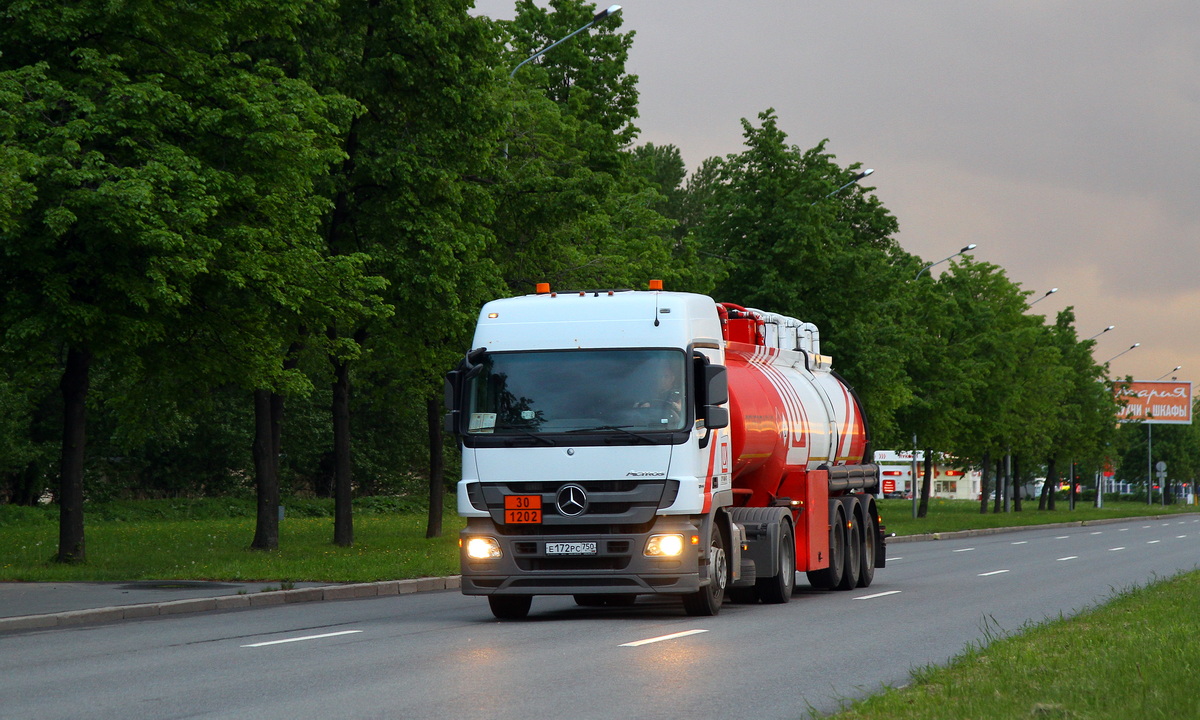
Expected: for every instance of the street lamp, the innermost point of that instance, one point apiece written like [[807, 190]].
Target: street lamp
[[1114, 357], [1049, 292], [1170, 371], [1110, 327], [853, 180], [968, 248], [607, 12]]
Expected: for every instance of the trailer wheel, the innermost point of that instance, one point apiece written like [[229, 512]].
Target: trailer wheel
[[778, 589], [870, 532], [707, 600], [853, 554], [831, 577], [510, 607]]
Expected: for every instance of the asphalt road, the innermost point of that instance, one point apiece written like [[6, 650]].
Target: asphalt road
[[442, 655]]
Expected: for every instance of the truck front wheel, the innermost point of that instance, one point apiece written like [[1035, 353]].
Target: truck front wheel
[[510, 607], [707, 600]]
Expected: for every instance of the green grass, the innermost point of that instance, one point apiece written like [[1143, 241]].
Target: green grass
[[210, 539], [1135, 657], [954, 515]]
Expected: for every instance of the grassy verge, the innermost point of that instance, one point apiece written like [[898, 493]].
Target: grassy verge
[[1134, 657], [210, 539], [952, 515]]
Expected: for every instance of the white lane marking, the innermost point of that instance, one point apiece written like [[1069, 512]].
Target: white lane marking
[[877, 595], [1116, 549], [1021, 542], [1069, 557], [672, 636], [994, 572], [1062, 537], [1153, 542], [299, 639], [1098, 532], [1180, 537], [894, 559], [1123, 530], [964, 550], [1145, 526]]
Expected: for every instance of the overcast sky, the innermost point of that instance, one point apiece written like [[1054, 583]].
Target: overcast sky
[[1060, 137]]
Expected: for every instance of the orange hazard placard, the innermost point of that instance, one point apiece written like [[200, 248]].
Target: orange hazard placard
[[519, 509]]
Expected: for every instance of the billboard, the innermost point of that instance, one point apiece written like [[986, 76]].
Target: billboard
[[1154, 402]]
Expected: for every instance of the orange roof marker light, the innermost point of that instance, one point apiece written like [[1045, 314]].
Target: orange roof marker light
[[543, 288], [656, 284]]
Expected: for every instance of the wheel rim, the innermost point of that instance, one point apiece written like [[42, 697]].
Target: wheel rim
[[720, 571], [787, 565]]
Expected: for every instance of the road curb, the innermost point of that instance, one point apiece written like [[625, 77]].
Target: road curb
[[96, 616]]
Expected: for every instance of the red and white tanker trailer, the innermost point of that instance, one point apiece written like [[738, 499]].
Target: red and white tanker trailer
[[618, 443]]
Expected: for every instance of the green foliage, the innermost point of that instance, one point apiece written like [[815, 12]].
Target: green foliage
[[786, 241]]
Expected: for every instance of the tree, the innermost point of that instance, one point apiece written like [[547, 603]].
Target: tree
[[571, 210], [411, 193], [123, 194], [784, 244]]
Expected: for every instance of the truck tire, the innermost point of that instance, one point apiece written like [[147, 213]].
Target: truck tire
[[870, 534], [831, 577], [778, 589], [706, 601], [510, 607], [853, 553]]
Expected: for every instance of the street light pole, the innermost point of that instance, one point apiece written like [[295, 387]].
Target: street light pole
[[968, 248], [1177, 367], [1049, 292], [1114, 357], [853, 180], [607, 12], [1110, 327]]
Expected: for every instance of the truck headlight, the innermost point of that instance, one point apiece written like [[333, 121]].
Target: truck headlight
[[664, 546], [483, 548]]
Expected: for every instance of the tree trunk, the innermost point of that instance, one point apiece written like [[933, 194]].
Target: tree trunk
[[437, 467], [1051, 482], [74, 387], [266, 471], [984, 482], [923, 508], [1000, 487], [343, 516], [25, 487], [1018, 486]]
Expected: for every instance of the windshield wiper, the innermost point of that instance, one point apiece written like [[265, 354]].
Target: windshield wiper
[[618, 428], [530, 433]]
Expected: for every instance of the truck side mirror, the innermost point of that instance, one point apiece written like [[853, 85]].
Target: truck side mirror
[[716, 392]]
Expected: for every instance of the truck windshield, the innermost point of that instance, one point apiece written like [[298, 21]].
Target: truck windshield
[[578, 390]]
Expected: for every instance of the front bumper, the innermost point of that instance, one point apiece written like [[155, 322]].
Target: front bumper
[[619, 565]]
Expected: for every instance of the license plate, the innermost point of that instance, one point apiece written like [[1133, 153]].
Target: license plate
[[570, 548], [522, 509]]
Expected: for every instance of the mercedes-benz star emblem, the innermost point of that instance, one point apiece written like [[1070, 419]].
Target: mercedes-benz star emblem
[[571, 501]]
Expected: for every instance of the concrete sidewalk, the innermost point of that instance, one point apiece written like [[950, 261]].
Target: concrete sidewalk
[[30, 606]]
